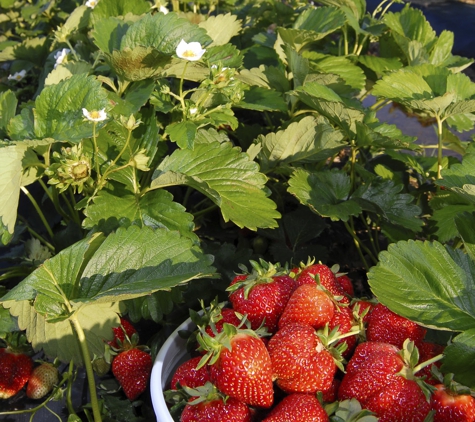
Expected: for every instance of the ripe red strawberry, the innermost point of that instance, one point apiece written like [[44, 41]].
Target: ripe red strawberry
[[42, 380], [188, 375], [239, 365], [309, 305], [346, 284], [123, 331], [450, 406], [208, 405], [374, 377], [261, 295], [298, 407], [386, 326], [15, 371], [344, 321], [132, 369], [362, 307], [300, 361], [225, 315], [319, 272], [428, 350], [331, 395]]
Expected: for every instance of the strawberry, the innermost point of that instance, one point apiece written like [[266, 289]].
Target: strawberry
[[344, 321], [309, 305], [300, 361], [15, 371], [451, 406], [321, 274], [225, 315], [386, 326], [331, 395], [261, 295], [428, 350], [132, 369], [42, 380], [298, 407], [121, 333], [239, 365], [381, 377], [362, 308], [207, 404], [188, 375], [346, 284]]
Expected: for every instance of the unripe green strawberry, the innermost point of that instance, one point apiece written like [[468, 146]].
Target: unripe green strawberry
[[42, 380]]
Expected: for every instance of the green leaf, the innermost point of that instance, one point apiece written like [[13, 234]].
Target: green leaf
[[163, 33], [395, 207], [430, 89], [59, 339], [8, 104], [156, 209], [353, 75], [460, 178], [380, 65], [410, 24], [427, 283], [107, 8], [325, 192], [309, 140], [129, 263], [459, 358], [58, 109], [444, 217], [328, 103], [227, 176], [183, 133], [108, 33], [10, 183], [262, 99], [221, 28], [465, 223], [357, 7]]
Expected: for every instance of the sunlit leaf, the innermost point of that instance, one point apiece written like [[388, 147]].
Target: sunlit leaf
[[227, 176], [427, 283]]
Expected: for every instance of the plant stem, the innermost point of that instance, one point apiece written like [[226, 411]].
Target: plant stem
[[38, 210], [37, 235], [439, 147], [96, 149], [86, 357], [69, 401]]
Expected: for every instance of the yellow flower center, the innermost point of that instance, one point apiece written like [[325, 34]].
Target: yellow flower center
[[189, 53], [94, 114]]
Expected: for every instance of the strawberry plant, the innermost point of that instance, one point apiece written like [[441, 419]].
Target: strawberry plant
[[149, 149]]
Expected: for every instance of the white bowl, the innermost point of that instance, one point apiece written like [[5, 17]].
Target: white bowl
[[172, 353]]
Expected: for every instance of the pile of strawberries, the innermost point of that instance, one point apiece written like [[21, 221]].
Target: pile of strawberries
[[131, 365], [297, 346]]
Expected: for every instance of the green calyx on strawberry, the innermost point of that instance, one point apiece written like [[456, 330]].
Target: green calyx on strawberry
[[239, 364], [451, 400], [123, 334], [207, 403], [262, 294], [382, 378], [16, 365]]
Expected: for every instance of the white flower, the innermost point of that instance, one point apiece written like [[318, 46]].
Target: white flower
[[189, 51], [95, 115], [193, 110], [60, 56], [92, 3], [163, 9], [17, 76]]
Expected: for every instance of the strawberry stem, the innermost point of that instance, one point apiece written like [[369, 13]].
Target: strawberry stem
[[427, 363], [86, 357]]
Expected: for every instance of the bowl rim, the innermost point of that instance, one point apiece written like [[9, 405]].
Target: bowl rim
[[156, 382]]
